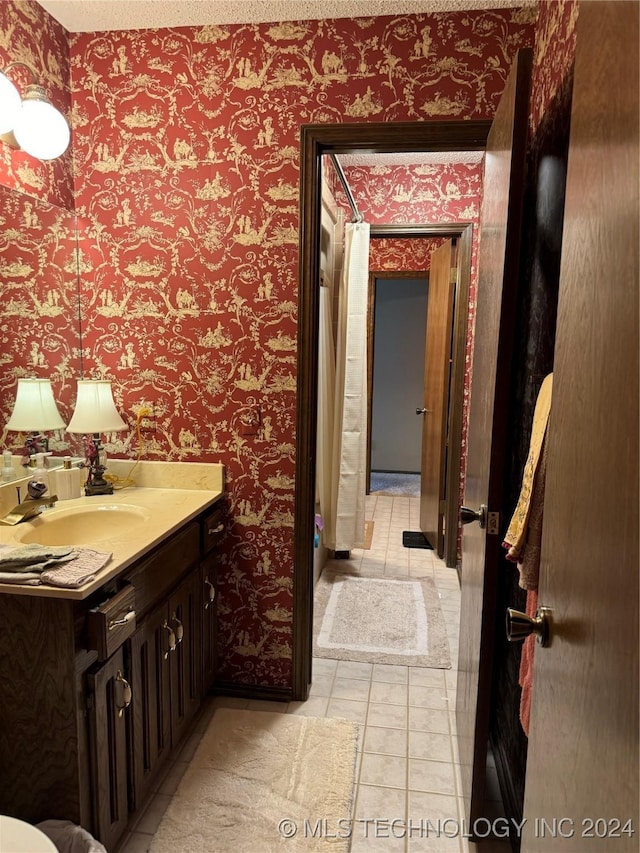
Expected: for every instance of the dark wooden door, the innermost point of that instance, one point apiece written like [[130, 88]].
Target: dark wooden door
[[186, 660], [500, 225], [151, 709], [436, 394], [108, 698], [583, 749]]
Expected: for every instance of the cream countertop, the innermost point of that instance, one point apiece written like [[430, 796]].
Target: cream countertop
[[168, 509]]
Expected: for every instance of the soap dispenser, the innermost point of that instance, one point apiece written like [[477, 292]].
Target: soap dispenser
[[8, 473], [68, 481]]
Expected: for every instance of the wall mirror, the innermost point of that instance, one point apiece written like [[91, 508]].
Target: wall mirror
[[40, 328]]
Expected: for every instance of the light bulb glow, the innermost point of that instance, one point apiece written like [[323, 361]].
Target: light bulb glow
[[9, 104], [41, 130]]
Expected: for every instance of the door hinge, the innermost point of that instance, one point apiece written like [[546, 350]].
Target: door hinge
[[442, 507], [493, 523], [454, 275]]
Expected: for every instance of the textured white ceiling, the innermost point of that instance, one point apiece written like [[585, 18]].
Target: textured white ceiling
[[419, 159], [78, 16]]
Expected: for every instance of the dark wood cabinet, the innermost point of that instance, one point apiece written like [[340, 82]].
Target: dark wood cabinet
[[150, 714], [209, 605], [108, 699], [98, 696]]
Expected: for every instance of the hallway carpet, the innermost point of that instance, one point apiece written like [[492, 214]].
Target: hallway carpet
[[390, 483]]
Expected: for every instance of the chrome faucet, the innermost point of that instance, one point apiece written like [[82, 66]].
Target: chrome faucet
[[29, 508]]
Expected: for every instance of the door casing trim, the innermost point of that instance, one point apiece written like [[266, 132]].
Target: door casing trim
[[316, 140]]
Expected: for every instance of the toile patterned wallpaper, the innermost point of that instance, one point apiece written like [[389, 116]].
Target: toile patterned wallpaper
[[28, 34], [186, 184]]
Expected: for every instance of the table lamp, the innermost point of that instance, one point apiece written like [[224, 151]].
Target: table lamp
[[34, 411], [95, 412]]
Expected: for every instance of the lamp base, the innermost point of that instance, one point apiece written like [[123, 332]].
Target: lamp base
[[102, 488]]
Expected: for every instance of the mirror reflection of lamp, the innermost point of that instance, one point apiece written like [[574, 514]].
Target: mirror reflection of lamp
[[34, 411], [95, 412], [29, 120]]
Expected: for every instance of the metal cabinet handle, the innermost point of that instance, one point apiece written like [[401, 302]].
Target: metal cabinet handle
[[212, 593], [467, 515], [172, 639], [128, 617], [179, 632], [424, 411], [520, 625], [127, 694], [214, 530]]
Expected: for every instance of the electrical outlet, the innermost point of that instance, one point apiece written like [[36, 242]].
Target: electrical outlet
[[148, 419], [250, 421]]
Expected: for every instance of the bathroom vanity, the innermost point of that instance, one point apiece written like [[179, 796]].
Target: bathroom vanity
[[101, 683]]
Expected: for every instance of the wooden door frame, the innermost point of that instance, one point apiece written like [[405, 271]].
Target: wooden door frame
[[316, 140]]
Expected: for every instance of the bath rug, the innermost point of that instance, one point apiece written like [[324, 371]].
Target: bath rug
[[256, 778], [415, 539], [379, 620]]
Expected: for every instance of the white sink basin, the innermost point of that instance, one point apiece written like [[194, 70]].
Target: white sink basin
[[82, 525]]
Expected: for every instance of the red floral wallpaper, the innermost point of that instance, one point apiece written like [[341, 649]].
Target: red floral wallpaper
[[186, 182], [39, 309], [187, 172], [553, 53], [31, 35]]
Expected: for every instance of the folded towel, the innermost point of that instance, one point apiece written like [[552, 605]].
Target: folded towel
[[26, 578], [34, 558], [80, 570]]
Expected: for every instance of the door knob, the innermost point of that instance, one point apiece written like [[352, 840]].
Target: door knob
[[520, 625], [424, 411], [467, 515]]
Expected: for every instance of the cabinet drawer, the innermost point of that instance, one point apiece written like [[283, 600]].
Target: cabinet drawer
[[154, 577], [213, 528], [110, 624]]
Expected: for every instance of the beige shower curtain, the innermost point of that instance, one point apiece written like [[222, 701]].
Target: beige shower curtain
[[326, 390], [344, 524]]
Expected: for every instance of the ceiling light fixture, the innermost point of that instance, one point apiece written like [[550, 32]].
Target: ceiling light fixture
[[30, 121]]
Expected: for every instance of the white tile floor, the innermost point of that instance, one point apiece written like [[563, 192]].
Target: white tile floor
[[408, 769]]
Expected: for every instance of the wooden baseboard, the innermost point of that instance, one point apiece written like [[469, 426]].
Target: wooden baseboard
[[251, 691]]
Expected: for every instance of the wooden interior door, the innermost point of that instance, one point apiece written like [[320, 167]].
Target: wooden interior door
[[437, 361], [500, 225], [582, 762]]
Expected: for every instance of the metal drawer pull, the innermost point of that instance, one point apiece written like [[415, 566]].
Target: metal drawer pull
[[179, 629], [212, 593], [127, 695], [214, 530], [128, 617], [172, 639]]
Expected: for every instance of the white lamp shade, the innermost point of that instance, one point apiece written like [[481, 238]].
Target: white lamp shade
[[9, 104], [41, 130], [34, 409], [95, 409]]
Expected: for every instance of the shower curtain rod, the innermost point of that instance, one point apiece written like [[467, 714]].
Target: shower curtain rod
[[357, 216]]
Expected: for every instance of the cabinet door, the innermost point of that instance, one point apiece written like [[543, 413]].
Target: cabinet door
[[209, 605], [109, 697], [186, 660], [151, 647]]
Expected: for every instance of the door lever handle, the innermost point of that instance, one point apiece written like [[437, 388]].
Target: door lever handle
[[467, 515], [424, 411], [520, 625]]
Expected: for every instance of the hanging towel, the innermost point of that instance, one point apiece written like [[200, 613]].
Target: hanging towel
[[516, 534], [525, 678], [529, 559]]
